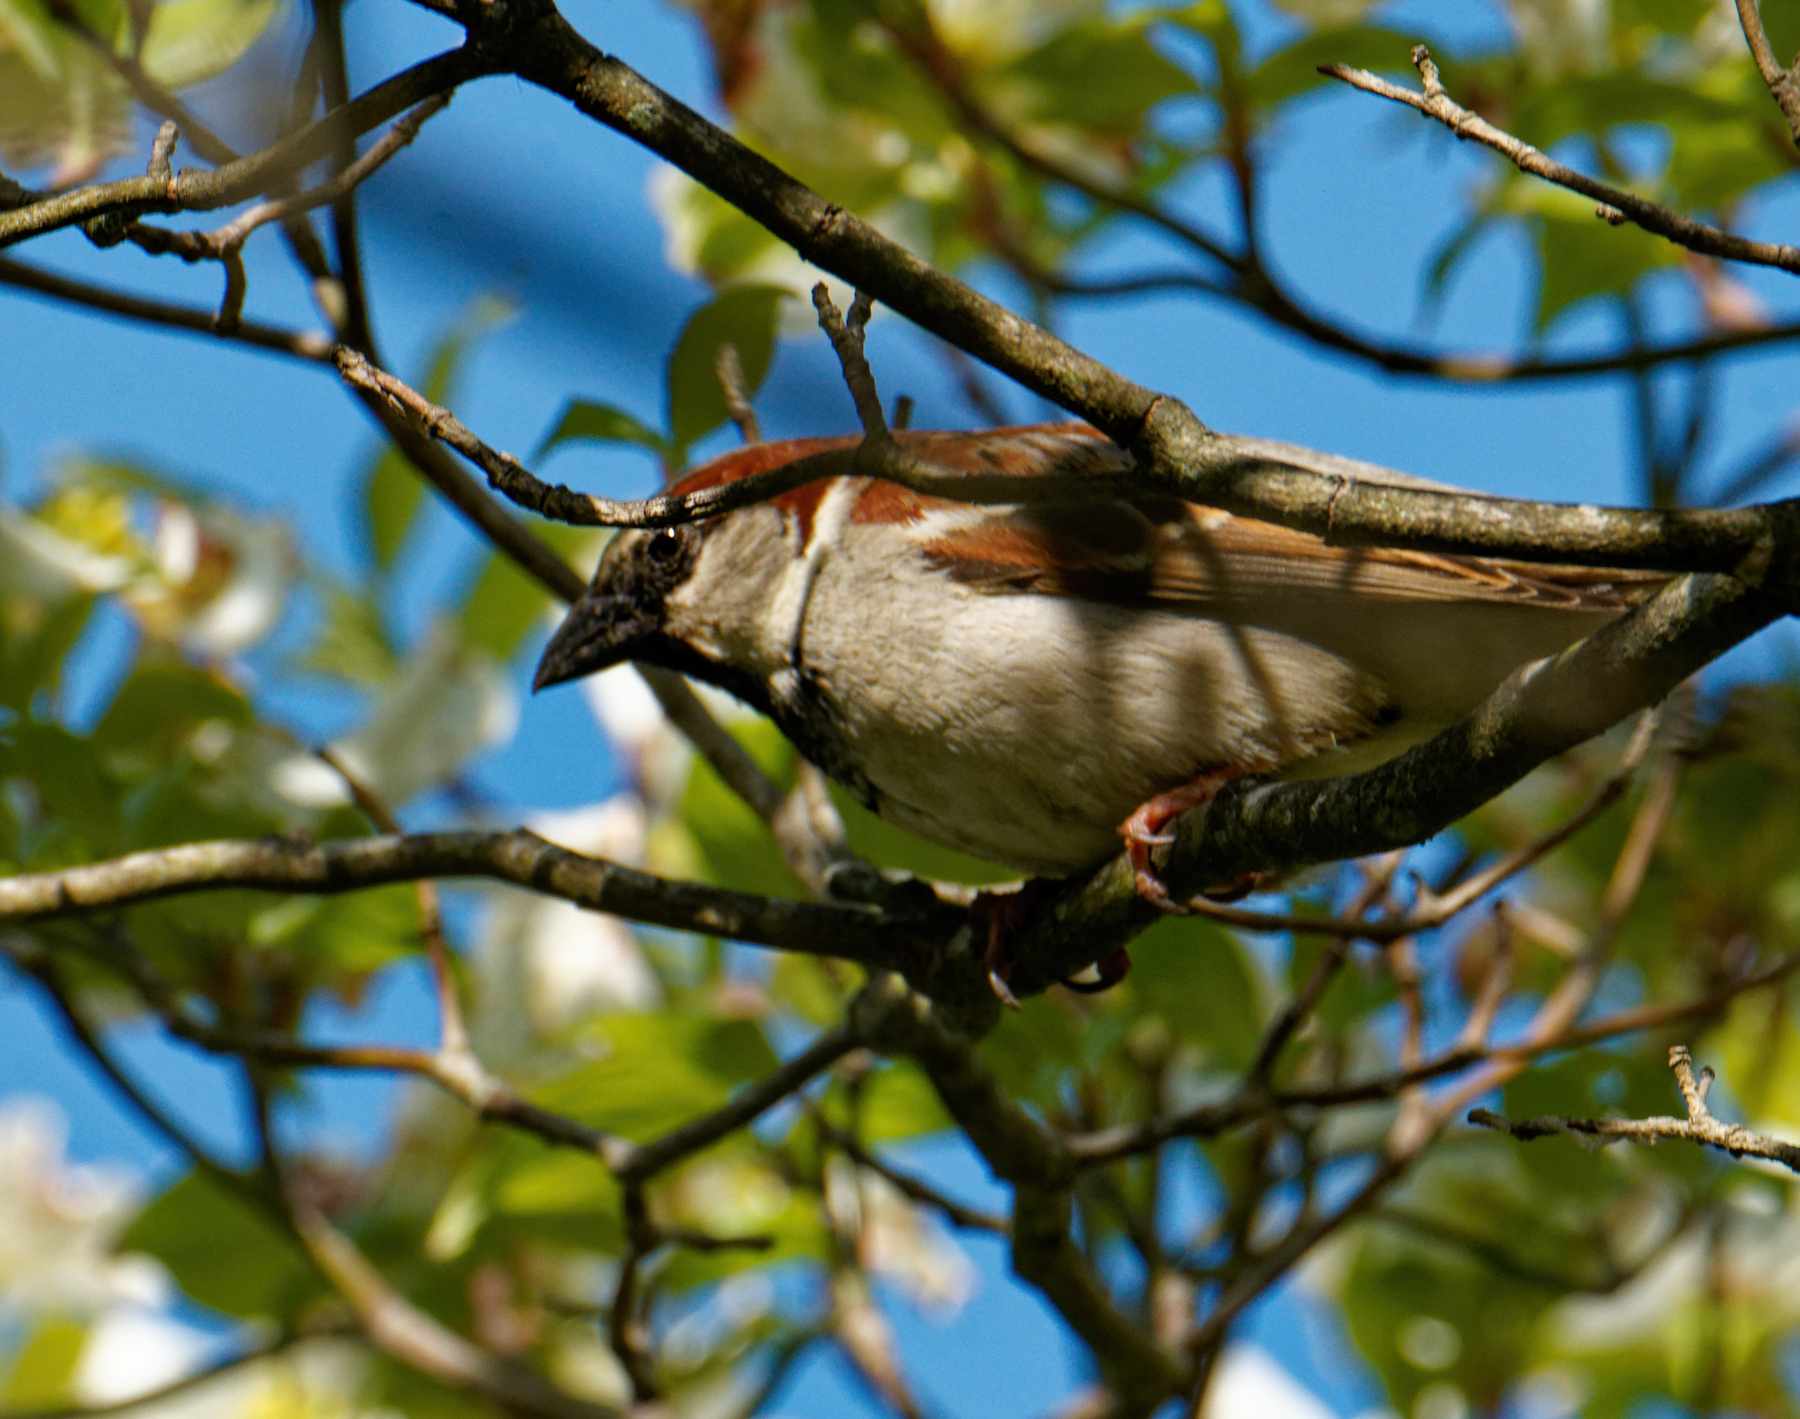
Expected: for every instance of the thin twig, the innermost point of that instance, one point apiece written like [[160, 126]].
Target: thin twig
[[1683, 230], [225, 244], [904, 1183], [626, 1332], [123, 201], [1784, 84], [405, 1333], [1700, 1126], [730, 370], [308, 345], [643, 1161]]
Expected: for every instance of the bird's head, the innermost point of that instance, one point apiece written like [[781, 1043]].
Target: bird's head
[[624, 613]]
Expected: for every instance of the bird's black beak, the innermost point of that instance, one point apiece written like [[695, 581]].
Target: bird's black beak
[[601, 630]]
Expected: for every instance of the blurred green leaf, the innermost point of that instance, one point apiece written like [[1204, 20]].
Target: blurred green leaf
[[224, 1251], [1580, 255], [743, 316], [878, 841], [1196, 976], [504, 603], [155, 712], [35, 640], [734, 845], [342, 939], [1099, 73], [393, 488], [1713, 164], [70, 782], [899, 1102], [192, 40], [1295, 70], [657, 1071], [350, 643], [43, 1368], [583, 419]]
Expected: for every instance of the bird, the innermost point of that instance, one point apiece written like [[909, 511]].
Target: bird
[[1035, 682]]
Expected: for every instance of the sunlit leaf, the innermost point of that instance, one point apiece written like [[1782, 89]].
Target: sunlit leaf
[[350, 643], [43, 1367], [656, 1071], [192, 40], [601, 423], [1099, 73], [1295, 69], [504, 603], [223, 1250]]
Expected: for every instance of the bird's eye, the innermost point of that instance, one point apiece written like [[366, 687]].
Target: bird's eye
[[665, 546]]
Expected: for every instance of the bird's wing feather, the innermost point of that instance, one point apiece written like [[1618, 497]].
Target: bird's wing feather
[[1119, 545]]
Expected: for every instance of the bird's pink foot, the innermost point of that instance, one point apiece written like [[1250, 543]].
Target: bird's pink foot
[[1143, 830]]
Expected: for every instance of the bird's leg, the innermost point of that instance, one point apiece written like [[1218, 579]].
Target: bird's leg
[[1108, 971], [1143, 830], [1004, 913]]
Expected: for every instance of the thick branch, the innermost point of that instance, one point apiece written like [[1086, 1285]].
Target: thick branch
[[1022, 1152], [519, 857], [1174, 451]]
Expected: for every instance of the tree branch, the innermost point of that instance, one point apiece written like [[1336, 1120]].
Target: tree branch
[[1617, 204], [1784, 84], [519, 857], [203, 191], [1540, 711], [1698, 1127]]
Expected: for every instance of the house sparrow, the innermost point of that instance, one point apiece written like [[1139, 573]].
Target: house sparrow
[[1027, 682]]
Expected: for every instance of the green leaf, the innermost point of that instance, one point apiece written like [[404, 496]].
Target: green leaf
[[73, 787], [1295, 70], [222, 1250], [342, 939], [44, 1367], [1581, 255], [561, 1183], [743, 316], [602, 423], [192, 40], [899, 1102], [76, 115], [351, 643], [154, 714], [1593, 103], [34, 641], [1713, 164], [504, 603], [393, 488], [657, 1071], [1100, 74], [878, 841], [1196, 975], [735, 848]]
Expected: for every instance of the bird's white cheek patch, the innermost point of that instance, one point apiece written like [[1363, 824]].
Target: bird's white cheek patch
[[785, 617]]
